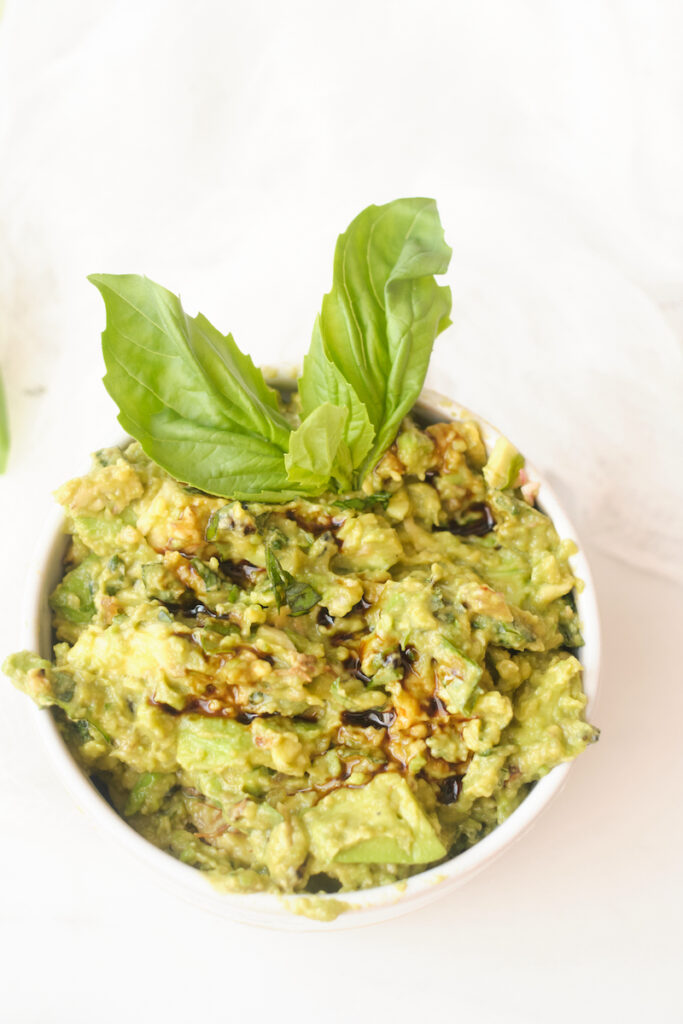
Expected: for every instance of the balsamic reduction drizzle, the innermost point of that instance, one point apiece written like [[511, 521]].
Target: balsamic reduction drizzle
[[370, 719], [449, 790], [242, 573], [477, 527], [324, 618]]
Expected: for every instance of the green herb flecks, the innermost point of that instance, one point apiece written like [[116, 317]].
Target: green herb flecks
[[209, 578], [300, 597], [362, 502]]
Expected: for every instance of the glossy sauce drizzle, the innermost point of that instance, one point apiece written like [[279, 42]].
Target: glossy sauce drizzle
[[477, 527], [373, 718]]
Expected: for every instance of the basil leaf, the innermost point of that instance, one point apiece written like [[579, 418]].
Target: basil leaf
[[220, 462], [361, 502], [187, 363], [63, 686], [210, 640], [208, 577], [317, 449], [233, 373], [199, 408], [379, 322], [82, 730], [300, 597], [322, 382], [202, 410], [222, 628], [214, 523], [4, 429], [279, 577]]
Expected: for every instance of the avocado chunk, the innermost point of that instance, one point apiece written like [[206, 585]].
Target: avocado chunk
[[325, 693], [380, 823], [458, 676], [74, 598], [503, 466], [160, 583], [147, 795], [368, 543], [211, 744]]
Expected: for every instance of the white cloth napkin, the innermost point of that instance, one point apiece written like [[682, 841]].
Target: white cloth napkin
[[220, 148]]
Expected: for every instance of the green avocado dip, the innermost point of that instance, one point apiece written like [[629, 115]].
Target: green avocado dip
[[308, 644], [323, 694]]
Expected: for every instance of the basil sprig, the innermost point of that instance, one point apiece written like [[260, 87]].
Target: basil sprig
[[202, 410], [374, 336]]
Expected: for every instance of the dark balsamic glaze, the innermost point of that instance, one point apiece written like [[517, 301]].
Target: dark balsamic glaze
[[483, 524], [247, 717], [341, 638], [324, 618], [242, 573], [370, 719], [401, 658], [352, 666], [196, 706], [254, 650], [408, 656], [189, 608], [393, 660], [436, 707], [449, 790], [314, 526], [206, 706], [166, 708]]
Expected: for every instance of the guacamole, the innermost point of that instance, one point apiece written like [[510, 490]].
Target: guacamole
[[320, 695]]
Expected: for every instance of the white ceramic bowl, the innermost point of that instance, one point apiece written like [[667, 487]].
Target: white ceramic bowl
[[284, 912]]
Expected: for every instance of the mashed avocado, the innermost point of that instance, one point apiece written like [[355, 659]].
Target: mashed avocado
[[323, 695]]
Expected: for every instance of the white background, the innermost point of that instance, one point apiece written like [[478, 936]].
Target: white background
[[220, 148]]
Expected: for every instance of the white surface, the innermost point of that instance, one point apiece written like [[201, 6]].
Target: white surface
[[220, 148]]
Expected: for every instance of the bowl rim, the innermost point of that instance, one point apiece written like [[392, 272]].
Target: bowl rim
[[283, 910]]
